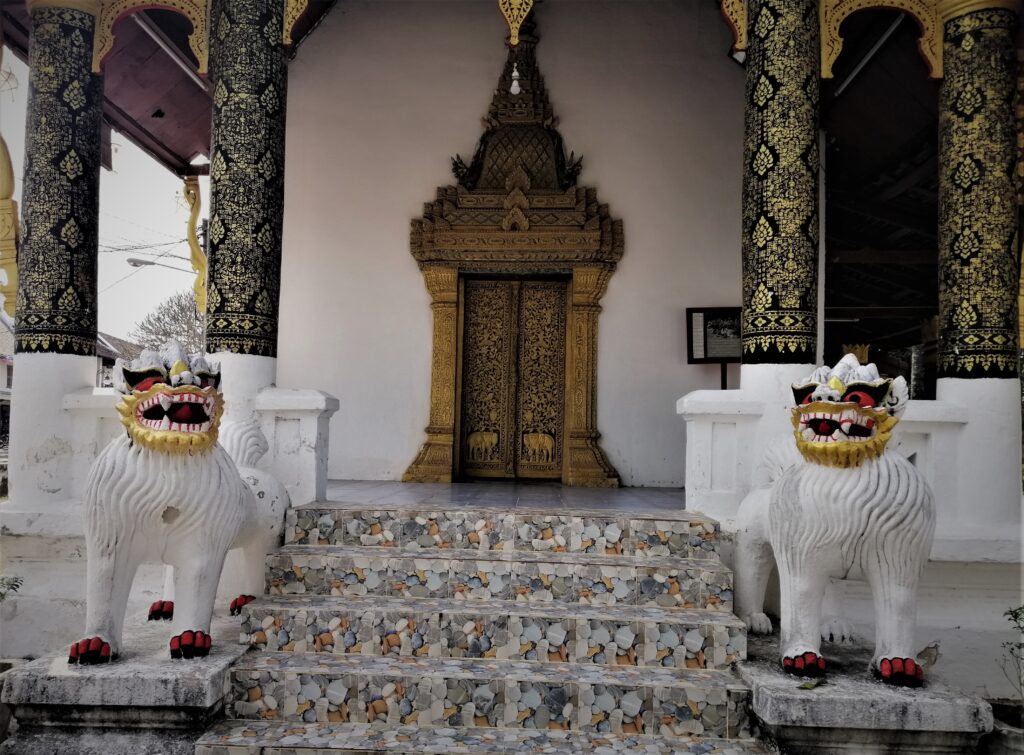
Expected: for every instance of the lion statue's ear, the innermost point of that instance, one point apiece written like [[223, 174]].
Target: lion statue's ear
[[899, 395]]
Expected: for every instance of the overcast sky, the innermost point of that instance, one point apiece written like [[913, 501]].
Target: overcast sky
[[141, 205]]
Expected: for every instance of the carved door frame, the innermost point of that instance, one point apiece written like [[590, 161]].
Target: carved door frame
[[584, 462], [518, 211]]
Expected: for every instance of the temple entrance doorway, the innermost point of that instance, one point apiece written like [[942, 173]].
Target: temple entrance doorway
[[512, 378]]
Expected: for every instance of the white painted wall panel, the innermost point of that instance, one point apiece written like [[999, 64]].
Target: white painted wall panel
[[381, 97]]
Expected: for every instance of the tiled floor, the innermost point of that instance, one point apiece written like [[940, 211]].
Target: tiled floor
[[549, 497]]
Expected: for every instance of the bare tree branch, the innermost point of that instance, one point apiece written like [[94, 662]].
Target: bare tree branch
[[177, 318]]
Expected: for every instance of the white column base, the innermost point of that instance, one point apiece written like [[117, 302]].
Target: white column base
[[243, 376], [295, 423]]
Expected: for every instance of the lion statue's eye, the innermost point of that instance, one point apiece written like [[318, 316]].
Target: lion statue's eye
[[867, 395], [207, 380], [802, 393], [143, 380], [861, 398]]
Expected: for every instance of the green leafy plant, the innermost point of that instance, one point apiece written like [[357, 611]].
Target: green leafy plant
[[9, 585], [1014, 650]]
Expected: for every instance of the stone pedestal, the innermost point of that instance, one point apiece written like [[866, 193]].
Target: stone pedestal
[[143, 703], [854, 713]]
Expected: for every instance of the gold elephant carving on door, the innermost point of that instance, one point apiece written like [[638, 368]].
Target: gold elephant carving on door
[[482, 445], [539, 447]]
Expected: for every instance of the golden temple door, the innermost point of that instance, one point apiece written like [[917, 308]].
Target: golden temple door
[[512, 409]]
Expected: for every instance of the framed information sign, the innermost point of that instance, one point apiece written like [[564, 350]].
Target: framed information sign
[[713, 336]]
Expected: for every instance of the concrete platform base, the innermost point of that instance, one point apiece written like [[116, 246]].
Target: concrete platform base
[[854, 713], [143, 703]]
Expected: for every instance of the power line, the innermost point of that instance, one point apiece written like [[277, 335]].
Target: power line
[[140, 246], [133, 272]]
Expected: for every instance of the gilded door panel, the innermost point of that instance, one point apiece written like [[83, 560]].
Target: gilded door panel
[[487, 434], [541, 376]]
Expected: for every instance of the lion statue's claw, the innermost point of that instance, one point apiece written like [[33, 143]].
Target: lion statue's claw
[[191, 644], [900, 672], [91, 650], [837, 630], [242, 600], [804, 664], [758, 623], [161, 610]]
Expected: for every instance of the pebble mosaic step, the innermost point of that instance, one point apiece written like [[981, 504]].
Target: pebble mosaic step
[[470, 693], [574, 578], [682, 534], [502, 630], [275, 738]]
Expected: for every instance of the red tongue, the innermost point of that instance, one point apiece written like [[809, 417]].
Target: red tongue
[[824, 428], [182, 414]]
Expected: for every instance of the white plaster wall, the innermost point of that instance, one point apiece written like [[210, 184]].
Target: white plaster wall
[[380, 98]]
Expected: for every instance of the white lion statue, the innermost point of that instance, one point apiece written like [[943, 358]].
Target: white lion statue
[[849, 507], [166, 491]]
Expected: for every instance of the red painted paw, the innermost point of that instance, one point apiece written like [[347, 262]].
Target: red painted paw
[[805, 664], [901, 672], [191, 644], [241, 600], [162, 610], [91, 650]]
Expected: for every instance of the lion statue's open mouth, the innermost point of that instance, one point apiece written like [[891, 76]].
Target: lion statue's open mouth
[[171, 401], [845, 415]]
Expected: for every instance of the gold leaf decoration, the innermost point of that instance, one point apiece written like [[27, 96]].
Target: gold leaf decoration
[[515, 12], [978, 224]]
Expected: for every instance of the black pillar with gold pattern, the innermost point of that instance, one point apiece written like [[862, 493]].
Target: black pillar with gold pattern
[[780, 183], [247, 175], [978, 274], [56, 302]]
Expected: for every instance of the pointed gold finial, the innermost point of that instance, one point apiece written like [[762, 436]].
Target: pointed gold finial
[[515, 12]]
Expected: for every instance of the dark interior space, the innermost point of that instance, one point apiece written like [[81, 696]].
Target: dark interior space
[[880, 117]]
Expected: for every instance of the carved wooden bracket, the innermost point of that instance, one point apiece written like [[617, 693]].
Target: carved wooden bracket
[[832, 13], [112, 10], [293, 10], [931, 16]]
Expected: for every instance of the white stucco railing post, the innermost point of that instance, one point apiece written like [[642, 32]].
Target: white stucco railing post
[[297, 425]]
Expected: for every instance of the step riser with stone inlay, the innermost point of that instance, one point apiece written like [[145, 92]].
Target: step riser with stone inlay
[[496, 630], [682, 536], [571, 578], [274, 738], [467, 693]]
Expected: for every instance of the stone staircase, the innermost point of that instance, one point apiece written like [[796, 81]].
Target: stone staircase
[[397, 628]]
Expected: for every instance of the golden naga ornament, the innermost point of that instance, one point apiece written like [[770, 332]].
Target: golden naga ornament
[[8, 221], [198, 256], [515, 12]]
